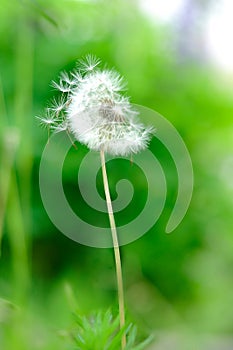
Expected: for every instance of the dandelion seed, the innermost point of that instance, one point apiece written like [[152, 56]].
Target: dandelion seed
[[49, 120], [89, 63], [64, 76], [61, 86], [57, 105], [63, 126], [77, 77]]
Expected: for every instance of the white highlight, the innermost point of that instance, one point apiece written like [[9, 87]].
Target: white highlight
[[161, 10], [219, 31]]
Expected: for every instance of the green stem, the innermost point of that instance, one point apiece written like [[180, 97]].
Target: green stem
[[116, 249]]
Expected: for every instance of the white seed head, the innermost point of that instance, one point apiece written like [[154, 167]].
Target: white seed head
[[95, 112]]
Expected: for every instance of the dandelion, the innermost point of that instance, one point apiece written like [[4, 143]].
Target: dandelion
[[95, 112]]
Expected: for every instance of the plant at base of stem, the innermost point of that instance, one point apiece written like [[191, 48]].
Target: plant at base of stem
[[92, 108], [100, 330]]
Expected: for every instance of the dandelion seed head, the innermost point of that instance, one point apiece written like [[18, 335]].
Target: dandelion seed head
[[94, 111]]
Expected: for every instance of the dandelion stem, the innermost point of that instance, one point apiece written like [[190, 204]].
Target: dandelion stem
[[116, 249]]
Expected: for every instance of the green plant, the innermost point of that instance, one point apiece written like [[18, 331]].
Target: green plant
[[102, 331]]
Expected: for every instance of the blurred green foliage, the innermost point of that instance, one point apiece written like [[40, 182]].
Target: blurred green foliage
[[178, 286]]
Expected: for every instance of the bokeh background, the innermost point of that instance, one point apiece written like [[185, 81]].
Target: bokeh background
[[177, 57]]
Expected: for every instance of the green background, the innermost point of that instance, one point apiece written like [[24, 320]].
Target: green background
[[177, 286]]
